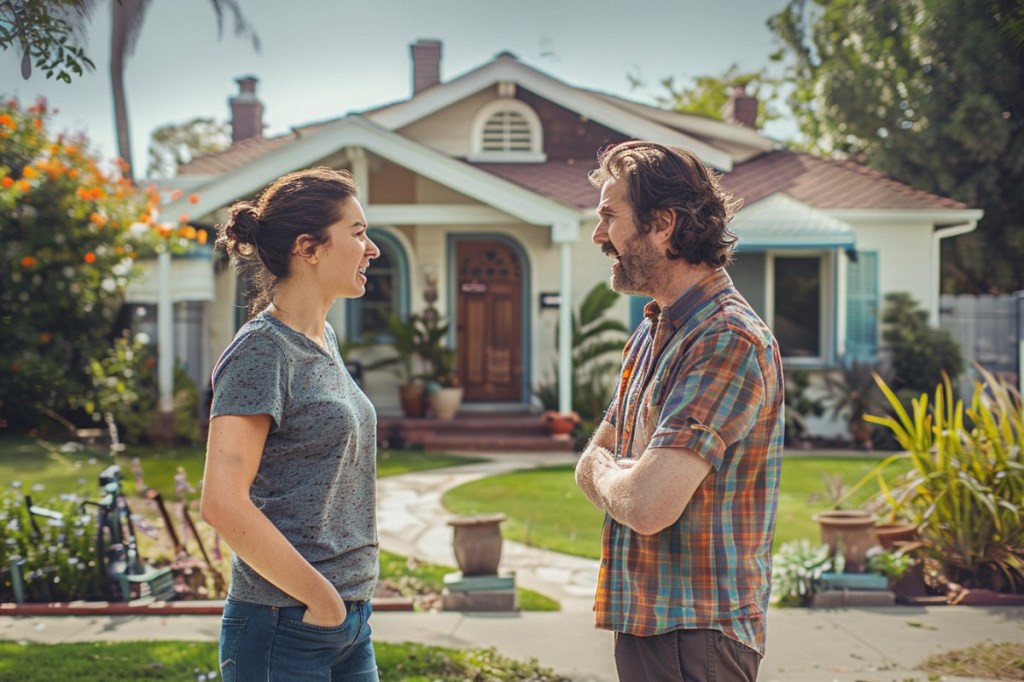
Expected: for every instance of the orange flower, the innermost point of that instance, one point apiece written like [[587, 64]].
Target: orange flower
[[98, 219], [176, 194], [193, 198], [29, 172], [188, 232], [29, 261], [38, 123], [7, 182], [44, 338], [201, 236], [23, 186], [120, 250], [7, 122], [89, 258], [183, 218], [163, 231]]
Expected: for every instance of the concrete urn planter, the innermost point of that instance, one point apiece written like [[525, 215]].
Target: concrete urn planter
[[849, 532], [477, 543]]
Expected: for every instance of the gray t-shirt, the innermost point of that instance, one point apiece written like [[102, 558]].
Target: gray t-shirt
[[317, 478]]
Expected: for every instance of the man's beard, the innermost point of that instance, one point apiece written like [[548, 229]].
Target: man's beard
[[636, 271]]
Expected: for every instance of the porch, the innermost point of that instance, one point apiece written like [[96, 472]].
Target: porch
[[472, 431]]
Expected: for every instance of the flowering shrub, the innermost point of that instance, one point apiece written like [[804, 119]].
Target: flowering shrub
[[69, 234], [56, 557]]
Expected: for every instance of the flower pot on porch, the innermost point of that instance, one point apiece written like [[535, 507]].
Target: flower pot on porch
[[413, 399], [477, 543], [560, 423], [850, 532], [445, 401]]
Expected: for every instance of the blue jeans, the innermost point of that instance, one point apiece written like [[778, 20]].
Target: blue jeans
[[271, 644]]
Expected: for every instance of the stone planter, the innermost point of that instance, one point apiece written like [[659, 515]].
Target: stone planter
[[477, 543], [850, 532]]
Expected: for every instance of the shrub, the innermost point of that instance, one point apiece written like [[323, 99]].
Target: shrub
[[920, 354], [965, 486], [797, 568], [69, 234]]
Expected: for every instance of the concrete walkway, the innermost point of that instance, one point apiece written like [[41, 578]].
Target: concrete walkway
[[804, 645]]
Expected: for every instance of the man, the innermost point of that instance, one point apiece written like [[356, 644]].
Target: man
[[686, 463]]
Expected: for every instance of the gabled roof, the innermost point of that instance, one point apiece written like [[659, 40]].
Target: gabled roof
[[355, 131], [506, 68], [827, 184]]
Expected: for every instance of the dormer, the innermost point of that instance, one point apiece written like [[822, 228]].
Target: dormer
[[506, 130]]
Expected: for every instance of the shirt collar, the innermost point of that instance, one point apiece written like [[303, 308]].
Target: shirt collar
[[690, 300]]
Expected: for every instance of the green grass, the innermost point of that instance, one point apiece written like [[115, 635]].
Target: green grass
[[54, 468], [145, 660], [545, 509]]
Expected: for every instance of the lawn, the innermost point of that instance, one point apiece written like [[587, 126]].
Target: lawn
[[146, 660], [545, 509]]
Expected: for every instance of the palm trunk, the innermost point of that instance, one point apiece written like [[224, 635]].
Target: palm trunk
[[124, 12]]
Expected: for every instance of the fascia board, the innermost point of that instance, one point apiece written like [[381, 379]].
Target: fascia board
[[580, 101], [880, 215], [354, 131]]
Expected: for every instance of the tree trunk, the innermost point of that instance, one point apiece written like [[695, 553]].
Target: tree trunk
[[126, 24]]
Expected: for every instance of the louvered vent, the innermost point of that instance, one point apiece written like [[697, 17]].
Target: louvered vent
[[507, 131]]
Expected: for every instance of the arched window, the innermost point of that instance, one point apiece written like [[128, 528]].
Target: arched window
[[387, 291], [507, 130]]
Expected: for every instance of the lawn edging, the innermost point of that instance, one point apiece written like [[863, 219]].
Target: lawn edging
[[211, 607]]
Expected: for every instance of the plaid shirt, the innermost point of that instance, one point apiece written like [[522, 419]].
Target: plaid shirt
[[705, 374]]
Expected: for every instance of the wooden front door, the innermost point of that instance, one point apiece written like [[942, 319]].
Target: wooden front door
[[489, 335]]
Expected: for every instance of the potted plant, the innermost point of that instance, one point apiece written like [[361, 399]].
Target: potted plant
[[561, 423], [963, 488], [444, 391], [797, 570], [412, 392], [852, 394], [848, 533]]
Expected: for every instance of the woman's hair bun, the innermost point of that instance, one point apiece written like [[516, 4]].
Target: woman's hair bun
[[242, 224]]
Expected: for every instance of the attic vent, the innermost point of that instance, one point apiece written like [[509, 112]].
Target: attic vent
[[507, 130]]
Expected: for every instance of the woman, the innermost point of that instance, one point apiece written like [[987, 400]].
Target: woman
[[291, 457]]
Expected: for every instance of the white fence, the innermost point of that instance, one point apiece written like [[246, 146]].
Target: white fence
[[990, 331]]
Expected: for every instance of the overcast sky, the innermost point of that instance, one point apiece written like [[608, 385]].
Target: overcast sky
[[324, 58]]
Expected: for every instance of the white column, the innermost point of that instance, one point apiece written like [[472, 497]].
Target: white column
[[565, 368], [165, 332]]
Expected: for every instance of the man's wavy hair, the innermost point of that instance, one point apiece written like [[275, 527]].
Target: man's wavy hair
[[661, 177]]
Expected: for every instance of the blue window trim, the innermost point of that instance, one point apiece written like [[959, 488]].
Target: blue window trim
[[400, 271]]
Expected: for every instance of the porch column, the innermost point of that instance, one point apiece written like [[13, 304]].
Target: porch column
[[565, 368], [165, 333]]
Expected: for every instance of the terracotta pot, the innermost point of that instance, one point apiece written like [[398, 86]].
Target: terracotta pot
[[889, 534], [853, 531], [560, 424], [477, 543], [413, 398]]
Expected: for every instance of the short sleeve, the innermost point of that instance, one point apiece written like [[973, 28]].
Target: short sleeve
[[712, 399], [251, 378]]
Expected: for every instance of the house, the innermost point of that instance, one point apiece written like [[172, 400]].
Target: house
[[477, 188]]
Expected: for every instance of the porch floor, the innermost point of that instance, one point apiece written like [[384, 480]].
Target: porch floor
[[471, 431]]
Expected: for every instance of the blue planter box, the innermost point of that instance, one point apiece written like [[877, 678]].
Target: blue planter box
[[854, 581]]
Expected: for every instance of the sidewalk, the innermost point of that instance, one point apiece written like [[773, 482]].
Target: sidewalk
[[804, 645]]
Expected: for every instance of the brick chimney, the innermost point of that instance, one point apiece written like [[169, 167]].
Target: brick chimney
[[426, 64], [246, 110], [741, 109]]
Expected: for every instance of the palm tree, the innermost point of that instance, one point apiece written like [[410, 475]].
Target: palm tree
[[128, 17]]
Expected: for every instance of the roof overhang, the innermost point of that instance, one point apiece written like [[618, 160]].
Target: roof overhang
[[781, 222], [940, 217], [356, 131], [509, 69]]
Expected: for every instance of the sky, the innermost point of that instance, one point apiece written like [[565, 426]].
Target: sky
[[321, 59]]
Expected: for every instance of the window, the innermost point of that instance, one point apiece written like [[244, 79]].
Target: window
[[507, 129], [798, 306], [386, 291]]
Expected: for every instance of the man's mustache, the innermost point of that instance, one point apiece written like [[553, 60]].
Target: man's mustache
[[609, 250]]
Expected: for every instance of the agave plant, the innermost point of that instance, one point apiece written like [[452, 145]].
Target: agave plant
[[966, 483]]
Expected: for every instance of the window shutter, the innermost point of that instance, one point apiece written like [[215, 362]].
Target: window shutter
[[862, 311], [507, 131]]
